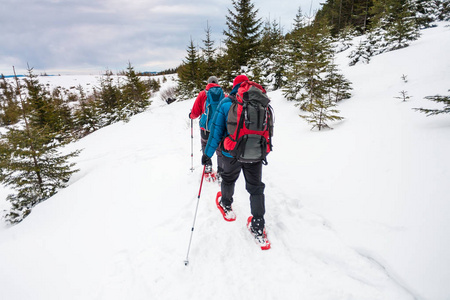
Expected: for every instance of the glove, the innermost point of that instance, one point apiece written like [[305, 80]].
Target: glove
[[190, 115], [205, 159]]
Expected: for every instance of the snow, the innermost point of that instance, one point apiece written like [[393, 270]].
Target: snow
[[358, 212]]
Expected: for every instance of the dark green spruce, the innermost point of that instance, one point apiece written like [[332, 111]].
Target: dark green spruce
[[31, 162], [439, 99]]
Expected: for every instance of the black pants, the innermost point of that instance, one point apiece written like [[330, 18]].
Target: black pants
[[204, 135], [253, 184]]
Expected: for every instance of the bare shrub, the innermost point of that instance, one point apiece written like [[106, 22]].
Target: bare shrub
[[169, 94]]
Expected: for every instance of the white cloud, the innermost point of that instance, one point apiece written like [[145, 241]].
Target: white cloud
[[64, 35], [180, 9]]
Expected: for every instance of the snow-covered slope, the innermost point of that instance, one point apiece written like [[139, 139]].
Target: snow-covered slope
[[358, 212]]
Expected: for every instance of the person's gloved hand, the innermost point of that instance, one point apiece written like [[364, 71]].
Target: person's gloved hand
[[205, 159], [190, 115]]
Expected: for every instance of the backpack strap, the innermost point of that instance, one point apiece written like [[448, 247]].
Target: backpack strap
[[206, 98]]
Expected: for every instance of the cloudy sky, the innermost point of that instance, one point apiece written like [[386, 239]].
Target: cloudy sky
[[91, 36]]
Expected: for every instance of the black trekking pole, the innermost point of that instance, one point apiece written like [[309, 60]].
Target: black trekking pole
[[192, 145], [186, 262]]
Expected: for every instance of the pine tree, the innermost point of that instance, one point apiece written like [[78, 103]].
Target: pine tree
[[39, 101], [321, 111], [189, 76], [381, 9], [338, 87], [271, 37], [87, 114], [109, 99], [153, 85], [401, 26], [373, 43], [135, 93], [31, 163], [316, 53], [338, 14], [300, 20], [227, 72], [279, 61], [63, 122], [47, 108], [444, 10], [314, 81], [439, 99], [344, 38], [398, 21], [208, 55], [9, 108], [427, 12], [294, 56], [360, 54], [267, 67], [314, 56], [242, 36]]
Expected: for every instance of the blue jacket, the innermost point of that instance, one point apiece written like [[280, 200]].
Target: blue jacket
[[218, 130]]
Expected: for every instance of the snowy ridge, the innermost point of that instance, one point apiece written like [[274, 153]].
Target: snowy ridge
[[359, 212]]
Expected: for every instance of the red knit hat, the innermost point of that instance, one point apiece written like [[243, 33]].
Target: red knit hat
[[239, 79]]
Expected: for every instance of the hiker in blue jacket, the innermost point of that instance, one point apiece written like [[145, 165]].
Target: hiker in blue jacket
[[232, 168]]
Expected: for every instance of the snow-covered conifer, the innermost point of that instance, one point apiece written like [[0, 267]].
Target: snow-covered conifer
[[9, 108], [135, 93], [338, 86], [321, 111], [31, 163], [267, 67], [86, 114], [189, 75], [208, 56], [243, 32], [109, 97], [401, 26]]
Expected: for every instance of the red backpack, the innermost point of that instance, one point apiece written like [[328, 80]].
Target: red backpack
[[249, 124]]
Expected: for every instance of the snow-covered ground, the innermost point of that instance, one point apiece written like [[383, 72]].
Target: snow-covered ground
[[358, 212]]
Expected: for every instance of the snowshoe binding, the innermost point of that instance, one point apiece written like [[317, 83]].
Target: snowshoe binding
[[260, 236], [218, 178], [227, 212], [209, 175]]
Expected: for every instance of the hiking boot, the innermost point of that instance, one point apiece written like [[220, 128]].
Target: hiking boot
[[257, 227], [227, 212], [226, 208], [257, 230]]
